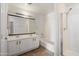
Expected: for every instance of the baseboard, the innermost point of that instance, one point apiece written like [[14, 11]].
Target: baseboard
[[47, 45], [70, 53]]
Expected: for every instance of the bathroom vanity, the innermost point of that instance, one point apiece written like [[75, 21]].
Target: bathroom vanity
[[21, 44]]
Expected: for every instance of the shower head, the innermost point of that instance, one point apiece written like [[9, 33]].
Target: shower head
[[69, 10]]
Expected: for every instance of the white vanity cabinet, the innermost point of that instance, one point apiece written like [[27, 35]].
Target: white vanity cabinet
[[16, 47], [13, 47]]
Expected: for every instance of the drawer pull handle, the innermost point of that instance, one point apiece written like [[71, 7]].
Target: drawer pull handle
[[17, 42]]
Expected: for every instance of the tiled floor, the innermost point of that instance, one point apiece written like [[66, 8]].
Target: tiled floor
[[41, 51]]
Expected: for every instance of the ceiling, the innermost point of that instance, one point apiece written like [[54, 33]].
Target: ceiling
[[36, 7]]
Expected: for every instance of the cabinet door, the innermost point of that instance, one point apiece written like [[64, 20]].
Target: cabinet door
[[26, 45], [13, 47], [36, 42]]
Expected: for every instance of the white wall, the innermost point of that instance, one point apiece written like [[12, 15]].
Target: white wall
[[0, 29], [40, 22], [14, 9]]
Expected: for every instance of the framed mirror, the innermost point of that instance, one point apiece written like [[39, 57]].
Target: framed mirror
[[19, 25]]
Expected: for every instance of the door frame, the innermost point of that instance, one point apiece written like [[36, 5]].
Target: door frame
[[3, 28]]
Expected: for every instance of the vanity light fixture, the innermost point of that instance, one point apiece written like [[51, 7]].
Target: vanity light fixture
[[29, 3]]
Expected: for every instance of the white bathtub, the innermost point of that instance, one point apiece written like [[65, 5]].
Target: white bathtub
[[47, 44]]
